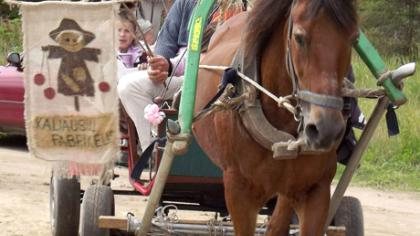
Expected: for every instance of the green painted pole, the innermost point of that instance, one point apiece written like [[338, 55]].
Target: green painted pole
[[377, 66], [197, 27], [172, 148]]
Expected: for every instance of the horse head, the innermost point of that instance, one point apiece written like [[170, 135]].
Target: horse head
[[318, 42]]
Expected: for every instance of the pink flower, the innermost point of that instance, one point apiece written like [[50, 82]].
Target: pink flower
[[153, 114]]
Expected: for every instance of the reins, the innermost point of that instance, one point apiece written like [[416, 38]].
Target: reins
[[281, 101]]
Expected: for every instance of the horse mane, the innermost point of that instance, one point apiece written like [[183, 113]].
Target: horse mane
[[268, 13]]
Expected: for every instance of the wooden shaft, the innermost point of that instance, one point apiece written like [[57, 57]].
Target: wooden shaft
[[355, 158], [155, 195]]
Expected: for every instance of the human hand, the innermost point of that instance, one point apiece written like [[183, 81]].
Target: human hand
[[142, 66], [158, 69]]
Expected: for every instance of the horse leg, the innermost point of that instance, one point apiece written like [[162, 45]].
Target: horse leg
[[241, 202], [280, 219], [312, 210]]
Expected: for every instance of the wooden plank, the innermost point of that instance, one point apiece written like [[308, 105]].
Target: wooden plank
[[112, 222], [331, 231], [336, 231]]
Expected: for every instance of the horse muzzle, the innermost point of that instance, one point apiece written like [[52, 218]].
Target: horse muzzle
[[323, 128]]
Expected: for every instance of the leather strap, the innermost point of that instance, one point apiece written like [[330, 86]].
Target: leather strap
[[321, 99], [253, 116]]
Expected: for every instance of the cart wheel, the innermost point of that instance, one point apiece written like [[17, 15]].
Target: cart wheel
[[350, 215], [64, 206], [98, 200]]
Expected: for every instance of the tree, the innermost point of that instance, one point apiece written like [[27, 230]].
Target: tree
[[392, 25], [8, 12]]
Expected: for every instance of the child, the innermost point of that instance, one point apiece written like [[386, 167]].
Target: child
[[128, 49]]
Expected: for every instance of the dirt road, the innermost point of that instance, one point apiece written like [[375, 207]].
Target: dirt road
[[24, 194]]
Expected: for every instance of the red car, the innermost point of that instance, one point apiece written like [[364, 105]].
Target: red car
[[11, 96]]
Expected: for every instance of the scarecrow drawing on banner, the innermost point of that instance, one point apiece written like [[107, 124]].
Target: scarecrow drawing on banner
[[74, 78]]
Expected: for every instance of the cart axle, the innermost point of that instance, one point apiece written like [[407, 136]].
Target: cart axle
[[193, 227]]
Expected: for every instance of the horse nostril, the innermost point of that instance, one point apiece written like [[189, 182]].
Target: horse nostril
[[311, 131]]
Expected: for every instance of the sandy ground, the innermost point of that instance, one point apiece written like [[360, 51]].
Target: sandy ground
[[24, 196]]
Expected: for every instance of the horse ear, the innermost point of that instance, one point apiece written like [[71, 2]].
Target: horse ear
[[356, 3]]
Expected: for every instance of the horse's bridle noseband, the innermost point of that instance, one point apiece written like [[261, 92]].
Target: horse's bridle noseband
[[322, 100]]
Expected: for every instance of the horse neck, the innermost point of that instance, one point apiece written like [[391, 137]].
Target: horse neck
[[274, 78]]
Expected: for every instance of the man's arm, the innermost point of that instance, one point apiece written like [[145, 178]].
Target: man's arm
[[172, 37], [167, 41]]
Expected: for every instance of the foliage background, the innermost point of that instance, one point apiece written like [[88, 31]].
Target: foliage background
[[391, 162], [394, 28], [10, 33]]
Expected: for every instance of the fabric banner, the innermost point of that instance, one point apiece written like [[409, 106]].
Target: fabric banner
[[71, 103]]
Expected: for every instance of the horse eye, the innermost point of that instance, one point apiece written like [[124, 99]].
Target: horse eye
[[300, 40]]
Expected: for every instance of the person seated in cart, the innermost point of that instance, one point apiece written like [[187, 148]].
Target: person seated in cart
[[130, 53], [128, 49], [166, 69], [138, 89], [131, 9]]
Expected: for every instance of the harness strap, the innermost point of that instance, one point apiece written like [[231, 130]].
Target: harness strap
[[252, 115], [144, 159], [290, 67], [229, 77], [321, 99]]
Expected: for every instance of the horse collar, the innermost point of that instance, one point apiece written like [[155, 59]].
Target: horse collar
[[253, 117]]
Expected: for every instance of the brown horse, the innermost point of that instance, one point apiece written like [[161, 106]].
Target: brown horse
[[319, 35]]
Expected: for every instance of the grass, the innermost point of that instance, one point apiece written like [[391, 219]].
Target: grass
[[391, 162], [10, 38]]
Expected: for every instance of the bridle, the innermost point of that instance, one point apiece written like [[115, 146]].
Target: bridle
[[323, 100], [283, 144]]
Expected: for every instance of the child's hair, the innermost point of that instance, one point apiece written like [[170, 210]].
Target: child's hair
[[125, 15]]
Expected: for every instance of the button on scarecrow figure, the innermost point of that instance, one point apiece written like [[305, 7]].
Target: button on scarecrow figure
[[73, 78]]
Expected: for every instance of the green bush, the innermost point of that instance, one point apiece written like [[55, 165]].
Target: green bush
[[8, 12], [10, 37]]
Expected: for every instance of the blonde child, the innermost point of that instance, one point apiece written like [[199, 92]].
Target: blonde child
[[129, 51]]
